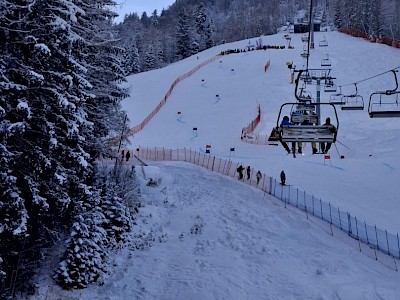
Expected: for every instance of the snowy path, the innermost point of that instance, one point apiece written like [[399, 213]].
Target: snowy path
[[247, 246]]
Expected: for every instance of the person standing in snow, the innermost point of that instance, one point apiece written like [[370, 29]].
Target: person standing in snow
[[283, 178], [258, 176], [128, 155], [240, 171], [248, 172]]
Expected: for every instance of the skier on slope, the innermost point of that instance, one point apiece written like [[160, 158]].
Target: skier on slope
[[248, 171], [240, 171], [283, 178], [259, 176]]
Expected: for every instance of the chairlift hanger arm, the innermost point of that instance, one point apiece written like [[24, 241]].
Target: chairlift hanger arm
[[356, 93], [397, 83], [297, 85], [394, 70]]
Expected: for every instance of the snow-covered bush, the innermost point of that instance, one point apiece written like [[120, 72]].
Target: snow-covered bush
[[120, 200], [118, 218], [86, 255], [102, 228]]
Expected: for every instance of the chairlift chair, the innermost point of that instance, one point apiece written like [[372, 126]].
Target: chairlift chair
[[305, 96], [385, 104], [304, 53], [326, 62], [353, 101], [336, 99], [323, 43], [304, 113], [309, 132], [306, 77], [329, 87]]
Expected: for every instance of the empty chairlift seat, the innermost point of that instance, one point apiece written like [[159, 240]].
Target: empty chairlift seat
[[385, 104], [326, 62], [323, 43], [353, 101]]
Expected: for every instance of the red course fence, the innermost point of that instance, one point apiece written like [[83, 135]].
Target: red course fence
[[372, 38], [140, 126]]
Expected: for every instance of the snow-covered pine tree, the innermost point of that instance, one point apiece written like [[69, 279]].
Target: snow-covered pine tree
[[102, 59], [376, 19], [131, 60], [86, 256], [200, 23], [154, 18], [119, 201], [160, 57], [118, 217], [338, 21], [149, 59], [209, 37], [104, 71], [58, 70], [200, 18], [194, 47], [183, 36]]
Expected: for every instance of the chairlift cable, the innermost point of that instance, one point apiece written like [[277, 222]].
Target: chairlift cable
[[369, 78]]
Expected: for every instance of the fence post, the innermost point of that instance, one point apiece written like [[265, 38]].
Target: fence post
[[387, 241], [356, 227], [320, 204], [358, 237], [349, 223], [398, 244], [377, 242], [297, 197], [340, 219], [366, 232], [313, 205], [305, 204], [212, 167]]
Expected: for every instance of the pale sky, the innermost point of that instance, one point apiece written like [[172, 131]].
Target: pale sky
[[139, 6]]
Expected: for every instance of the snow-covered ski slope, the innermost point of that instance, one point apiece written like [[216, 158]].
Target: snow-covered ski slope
[[213, 237], [365, 182]]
